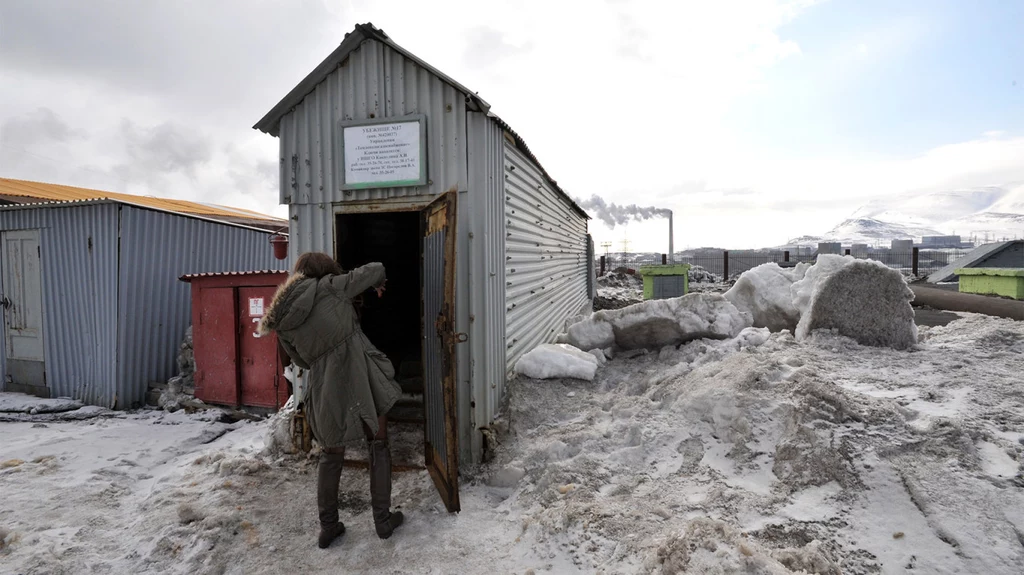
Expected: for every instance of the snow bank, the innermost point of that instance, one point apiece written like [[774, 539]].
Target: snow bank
[[11, 402], [555, 361], [765, 293], [864, 300], [698, 274], [659, 323], [618, 278]]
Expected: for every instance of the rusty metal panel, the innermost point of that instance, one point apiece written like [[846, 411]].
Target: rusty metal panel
[[153, 308], [375, 81], [440, 339], [78, 258], [546, 258]]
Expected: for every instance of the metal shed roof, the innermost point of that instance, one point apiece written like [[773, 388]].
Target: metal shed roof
[[97, 201], [980, 253], [271, 122], [58, 193], [190, 277]]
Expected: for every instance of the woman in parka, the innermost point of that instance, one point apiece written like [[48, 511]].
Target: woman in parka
[[351, 384]]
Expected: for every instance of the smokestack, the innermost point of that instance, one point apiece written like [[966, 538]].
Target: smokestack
[[670, 238]]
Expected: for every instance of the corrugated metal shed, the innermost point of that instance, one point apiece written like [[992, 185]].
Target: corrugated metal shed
[[537, 265], [114, 311]]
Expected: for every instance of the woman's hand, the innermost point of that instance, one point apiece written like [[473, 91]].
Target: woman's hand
[[380, 290]]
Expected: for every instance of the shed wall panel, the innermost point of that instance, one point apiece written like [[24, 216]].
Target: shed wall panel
[[374, 82], [153, 305], [481, 283], [78, 249], [546, 258]]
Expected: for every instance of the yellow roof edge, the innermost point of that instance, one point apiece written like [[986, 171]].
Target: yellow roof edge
[[62, 193]]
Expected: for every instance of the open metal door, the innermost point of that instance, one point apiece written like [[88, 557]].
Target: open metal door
[[439, 339]]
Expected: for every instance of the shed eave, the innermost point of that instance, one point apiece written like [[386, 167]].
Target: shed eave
[[271, 122], [98, 201]]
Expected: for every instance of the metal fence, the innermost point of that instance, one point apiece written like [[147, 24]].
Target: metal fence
[[731, 263]]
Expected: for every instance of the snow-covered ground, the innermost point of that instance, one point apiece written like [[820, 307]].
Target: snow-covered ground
[[759, 454]]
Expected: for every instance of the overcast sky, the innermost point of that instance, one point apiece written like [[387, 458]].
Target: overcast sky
[[755, 121]]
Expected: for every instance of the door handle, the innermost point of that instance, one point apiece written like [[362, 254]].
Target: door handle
[[6, 303]]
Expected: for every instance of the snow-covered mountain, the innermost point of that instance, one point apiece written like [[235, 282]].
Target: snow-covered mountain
[[985, 214], [866, 231]]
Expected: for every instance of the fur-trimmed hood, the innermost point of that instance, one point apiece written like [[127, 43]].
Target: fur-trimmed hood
[[290, 306]]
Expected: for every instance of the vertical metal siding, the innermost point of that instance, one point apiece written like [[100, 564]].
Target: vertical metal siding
[[154, 308], [481, 295], [374, 82], [79, 283], [546, 258], [433, 364]]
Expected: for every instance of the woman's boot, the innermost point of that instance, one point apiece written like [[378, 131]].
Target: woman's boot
[[380, 489], [327, 478]]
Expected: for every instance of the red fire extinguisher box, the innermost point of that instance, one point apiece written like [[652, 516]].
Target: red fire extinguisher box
[[234, 365]]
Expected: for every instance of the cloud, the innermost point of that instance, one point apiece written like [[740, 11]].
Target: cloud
[[486, 46], [37, 127], [159, 97], [164, 149]]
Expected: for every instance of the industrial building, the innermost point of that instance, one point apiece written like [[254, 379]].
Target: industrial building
[[385, 158], [92, 304], [941, 242]]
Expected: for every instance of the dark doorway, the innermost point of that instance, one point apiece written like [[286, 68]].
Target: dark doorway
[[414, 325], [393, 322]]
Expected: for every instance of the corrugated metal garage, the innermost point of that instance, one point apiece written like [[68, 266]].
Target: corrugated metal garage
[[92, 303]]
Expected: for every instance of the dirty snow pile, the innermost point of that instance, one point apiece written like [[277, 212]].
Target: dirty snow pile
[[22, 403], [658, 323], [22, 407], [549, 361], [757, 453], [179, 391], [700, 275], [618, 289], [862, 299], [773, 455]]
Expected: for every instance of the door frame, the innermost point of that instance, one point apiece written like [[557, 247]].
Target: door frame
[[41, 389]]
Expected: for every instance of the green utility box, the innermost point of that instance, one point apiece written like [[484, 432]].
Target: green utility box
[[1006, 282], [665, 282]]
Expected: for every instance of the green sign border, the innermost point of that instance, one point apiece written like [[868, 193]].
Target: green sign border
[[422, 181]]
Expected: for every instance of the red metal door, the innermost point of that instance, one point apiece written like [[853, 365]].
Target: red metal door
[[260, 370], [215, 347]]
